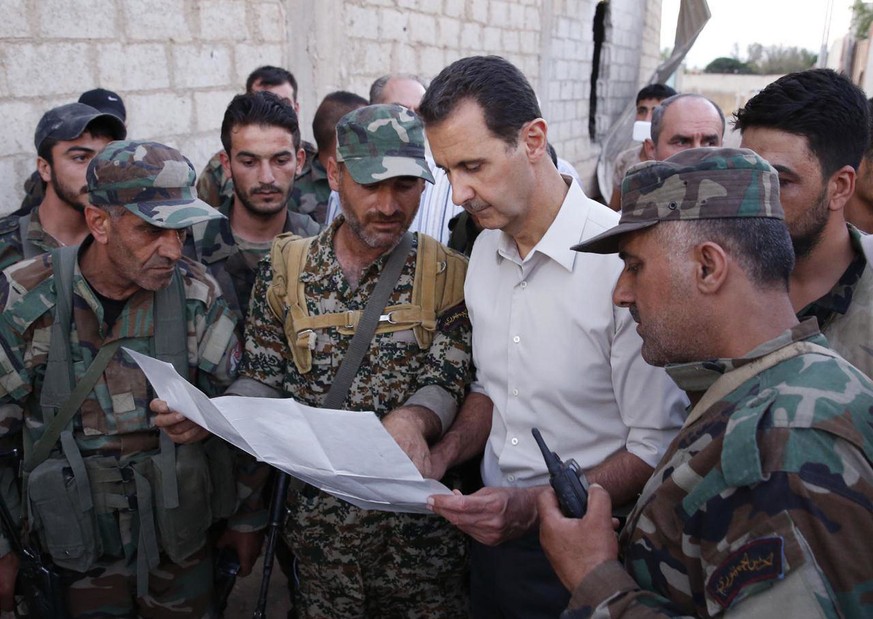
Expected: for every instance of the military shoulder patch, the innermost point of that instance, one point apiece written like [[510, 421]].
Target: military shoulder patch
[[454, 318], [757, 561]]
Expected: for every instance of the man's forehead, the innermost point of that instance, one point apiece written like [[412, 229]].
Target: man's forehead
[[283, 90]]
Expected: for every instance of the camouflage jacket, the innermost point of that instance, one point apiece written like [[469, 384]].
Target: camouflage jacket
[[213, 244], [11, 250], [394, 368], [311, 192], [34, 192], [845, 314], [214, 186], [118, 405], [759, 505]]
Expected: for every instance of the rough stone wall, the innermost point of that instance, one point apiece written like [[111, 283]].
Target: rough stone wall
[[177, 63]]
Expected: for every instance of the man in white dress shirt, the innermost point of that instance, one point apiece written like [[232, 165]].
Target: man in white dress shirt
[[550, 349]]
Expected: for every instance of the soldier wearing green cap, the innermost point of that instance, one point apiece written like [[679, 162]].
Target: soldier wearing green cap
[[351, 562], [760, 503], [118, 508]]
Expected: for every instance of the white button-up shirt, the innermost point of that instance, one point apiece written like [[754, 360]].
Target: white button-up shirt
[[553, 352]]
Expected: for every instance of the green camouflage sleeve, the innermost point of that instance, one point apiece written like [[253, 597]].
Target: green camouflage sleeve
[[213, 186]]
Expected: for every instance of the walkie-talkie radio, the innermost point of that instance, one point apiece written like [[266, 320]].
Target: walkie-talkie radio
[[567, 480]]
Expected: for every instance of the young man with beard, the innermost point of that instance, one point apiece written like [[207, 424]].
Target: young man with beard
[[761, 506], [813, 127], [66, 139], [261, 156]]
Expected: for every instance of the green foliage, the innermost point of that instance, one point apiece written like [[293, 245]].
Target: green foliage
[[769, 60], [862, 17], [727, 65]]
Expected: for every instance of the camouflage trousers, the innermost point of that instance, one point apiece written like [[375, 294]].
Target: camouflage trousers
[[175, 590], [354, 563]]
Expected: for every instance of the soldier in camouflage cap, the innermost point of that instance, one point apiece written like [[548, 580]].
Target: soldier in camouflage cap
[[759, 504], [378, 142], [153, 181], [142, 545], [351, 562]]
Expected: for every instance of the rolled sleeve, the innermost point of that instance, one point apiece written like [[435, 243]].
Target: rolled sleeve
[[442, 403]]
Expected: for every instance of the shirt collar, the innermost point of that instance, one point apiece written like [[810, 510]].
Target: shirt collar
[[838, 299], [563, 233]]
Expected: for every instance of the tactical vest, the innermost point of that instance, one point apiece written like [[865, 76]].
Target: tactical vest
[[438, 286]]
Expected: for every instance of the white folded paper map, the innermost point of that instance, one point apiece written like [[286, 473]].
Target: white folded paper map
[[347, 454]]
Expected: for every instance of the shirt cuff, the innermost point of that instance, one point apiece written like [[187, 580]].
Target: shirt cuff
[[600, 585], [437, 399]]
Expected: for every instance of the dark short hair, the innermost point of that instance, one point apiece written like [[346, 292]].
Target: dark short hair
[[821, 105], [501, 90], [760, 245], [658, 112], [333, 107], [378, 86], [271, 76], [654, 91], [259, 108], [100, 127]]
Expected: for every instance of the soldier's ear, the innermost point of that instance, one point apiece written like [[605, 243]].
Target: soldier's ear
[[649, 149], [44, 168], [98, 222], [225, 163], [841, 186], [301, 159], [711, 267], [333, 173]]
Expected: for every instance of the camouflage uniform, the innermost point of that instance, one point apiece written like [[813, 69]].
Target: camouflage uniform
[[352, 562], [232, 263], [761, 502], [114, 424], [769, 492], [34, 192], [10, 238], [846, 312], [311, 191]]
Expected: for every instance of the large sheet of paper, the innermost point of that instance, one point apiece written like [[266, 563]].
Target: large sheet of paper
[[348, 454]]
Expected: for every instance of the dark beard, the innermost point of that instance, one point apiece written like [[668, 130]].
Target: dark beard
[[74, 200], [807, 240]]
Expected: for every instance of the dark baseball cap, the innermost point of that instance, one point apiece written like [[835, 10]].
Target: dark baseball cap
[[67, 122], [698, 183], [105, 101]]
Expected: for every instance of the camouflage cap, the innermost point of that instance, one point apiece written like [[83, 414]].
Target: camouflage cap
[[151, 180], [698, 183], [67, 122], [378, 142]]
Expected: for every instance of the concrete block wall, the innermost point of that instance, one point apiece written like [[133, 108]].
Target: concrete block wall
[[177, 63]]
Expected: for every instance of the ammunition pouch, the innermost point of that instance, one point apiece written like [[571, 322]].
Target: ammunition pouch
[[64, 524]]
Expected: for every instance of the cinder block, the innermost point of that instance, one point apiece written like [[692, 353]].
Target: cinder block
[[269, 21], [13, 172], [223, 20], [480, 11], [14, 24], [431, 61], [86, 19], [209, 109], [392, 25], [498, 14], [135, 66], [47, 69], [449, 32], [159, 116], [157, 20], [454, 8], [199, 148], [422, 29], [196, 66], [19, 123], [248, 57], [511, 41], [532, 17], [361, 23], [471, 36], [491, 40]]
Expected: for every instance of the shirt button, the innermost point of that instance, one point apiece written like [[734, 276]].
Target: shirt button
[[514, 441], [510, 477], [515, 392], [516, 339], [524, 284]]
